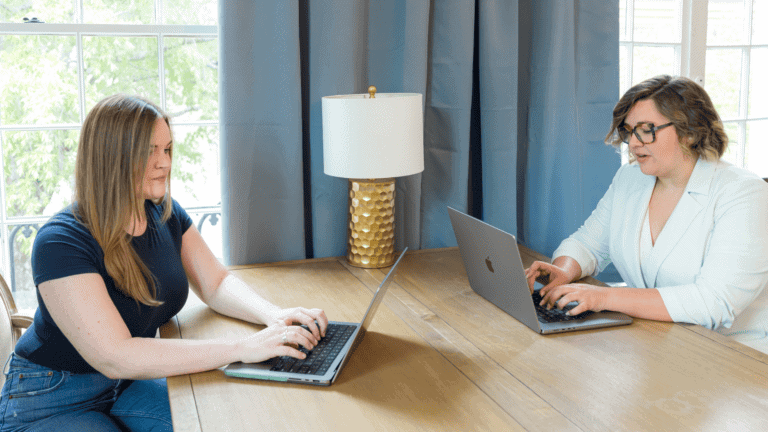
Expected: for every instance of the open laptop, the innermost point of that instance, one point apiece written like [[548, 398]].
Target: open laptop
[[495, 271], [324, 363]]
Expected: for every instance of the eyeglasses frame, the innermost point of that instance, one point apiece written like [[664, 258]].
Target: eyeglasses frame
[[634, 132]]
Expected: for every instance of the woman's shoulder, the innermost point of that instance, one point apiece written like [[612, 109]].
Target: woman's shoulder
[[728, 178], [64, 246], [62, 225]]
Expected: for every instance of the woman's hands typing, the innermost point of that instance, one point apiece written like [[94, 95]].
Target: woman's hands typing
[[557, 275], [284, 334], [558, 291]]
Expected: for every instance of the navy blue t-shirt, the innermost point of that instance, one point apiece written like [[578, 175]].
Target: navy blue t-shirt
[[65, 247]]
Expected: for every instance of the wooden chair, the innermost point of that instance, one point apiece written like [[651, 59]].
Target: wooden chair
[[12, 324]]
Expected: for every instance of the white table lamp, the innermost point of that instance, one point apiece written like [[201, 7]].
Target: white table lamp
[[370, 139]]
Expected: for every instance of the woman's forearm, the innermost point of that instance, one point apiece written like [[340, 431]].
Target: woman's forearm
[[236, 299], [643, 303], [570, 266], [148, 358]]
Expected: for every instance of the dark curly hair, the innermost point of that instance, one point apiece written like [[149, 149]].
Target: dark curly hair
[[687, 105]]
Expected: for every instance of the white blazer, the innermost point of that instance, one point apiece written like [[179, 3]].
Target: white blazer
[[710, 261]]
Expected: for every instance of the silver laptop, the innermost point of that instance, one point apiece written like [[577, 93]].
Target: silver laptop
[[324, 363], [495, 271]]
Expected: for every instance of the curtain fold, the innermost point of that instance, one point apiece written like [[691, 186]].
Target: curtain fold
[[574, 85], [517, 98], [498, 75], [447, 119], [262, 198]]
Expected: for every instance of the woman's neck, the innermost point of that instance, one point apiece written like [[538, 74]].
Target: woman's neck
[[679, 179], [137, 226]]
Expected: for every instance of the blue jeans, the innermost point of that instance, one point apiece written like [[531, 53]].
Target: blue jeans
[[35, 398]]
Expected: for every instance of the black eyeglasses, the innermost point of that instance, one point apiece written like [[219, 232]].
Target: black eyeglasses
[[645, 132]]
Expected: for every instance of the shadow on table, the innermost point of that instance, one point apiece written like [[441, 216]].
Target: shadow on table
[[403, 375]]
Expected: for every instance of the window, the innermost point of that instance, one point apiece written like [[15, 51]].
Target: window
[[55, 70], [721, 44]]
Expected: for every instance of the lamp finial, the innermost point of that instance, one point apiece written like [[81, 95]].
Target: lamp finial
[[372, 91]]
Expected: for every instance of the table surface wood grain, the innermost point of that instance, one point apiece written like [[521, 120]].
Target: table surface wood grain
[[439, 357]]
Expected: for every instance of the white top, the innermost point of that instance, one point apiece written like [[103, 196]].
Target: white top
[[646, 248], [710, 262]]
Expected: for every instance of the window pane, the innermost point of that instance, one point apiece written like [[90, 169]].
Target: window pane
[[759, 20], [648, 62], [756, 150], [38, 82], [20, 279], [39, 171], [209, 225], [623, 69], [733, 153], [723, 80], [119, 11], [623, 36], [196, 175], [726, 22], [192, 78], [758, 87], [191, 12], [120, 65], [49, 11], [658, 21]]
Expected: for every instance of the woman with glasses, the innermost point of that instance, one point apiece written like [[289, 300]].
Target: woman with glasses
[[687, 232], [109, 270]]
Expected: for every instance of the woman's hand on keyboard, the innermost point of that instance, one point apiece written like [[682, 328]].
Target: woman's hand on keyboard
[[274, 341], [314, 319], [589, 297], [557, 275]]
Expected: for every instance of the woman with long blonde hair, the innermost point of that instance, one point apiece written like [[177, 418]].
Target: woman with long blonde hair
[[110, 269]]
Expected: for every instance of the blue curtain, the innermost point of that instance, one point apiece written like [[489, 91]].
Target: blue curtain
[[517, 98]]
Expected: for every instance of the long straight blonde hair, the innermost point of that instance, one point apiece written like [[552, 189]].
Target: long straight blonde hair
[[112, 158]]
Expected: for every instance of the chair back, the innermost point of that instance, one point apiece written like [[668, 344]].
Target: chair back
[[11, 324]]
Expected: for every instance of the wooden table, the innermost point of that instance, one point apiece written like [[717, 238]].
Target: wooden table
[[439, 357]]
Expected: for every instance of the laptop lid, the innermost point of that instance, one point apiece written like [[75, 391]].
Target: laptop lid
[[371, 312], [495, 271], [262, 370]]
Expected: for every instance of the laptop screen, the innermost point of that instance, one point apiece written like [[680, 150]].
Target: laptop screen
[[377, 298]]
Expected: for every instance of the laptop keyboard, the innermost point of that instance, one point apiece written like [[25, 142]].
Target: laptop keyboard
[[554, 314], [321, 357]]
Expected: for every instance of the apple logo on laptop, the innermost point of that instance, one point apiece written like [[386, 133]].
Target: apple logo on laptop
[[489, 264]]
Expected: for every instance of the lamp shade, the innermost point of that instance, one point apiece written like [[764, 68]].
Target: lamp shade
[[371, 138]]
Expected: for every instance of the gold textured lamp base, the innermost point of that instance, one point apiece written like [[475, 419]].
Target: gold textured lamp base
[[371, 239]]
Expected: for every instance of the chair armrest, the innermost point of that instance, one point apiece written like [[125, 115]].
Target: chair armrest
[[21, 321]]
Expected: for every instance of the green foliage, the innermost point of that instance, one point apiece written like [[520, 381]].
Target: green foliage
[[39, 82], [120, 65]]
